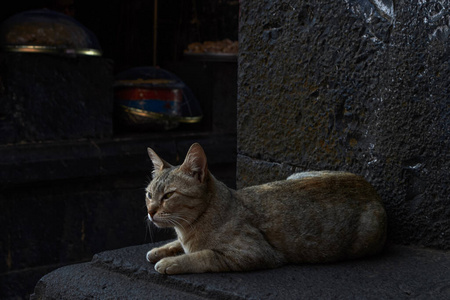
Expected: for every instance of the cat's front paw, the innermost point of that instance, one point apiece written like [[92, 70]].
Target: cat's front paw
[[168, 265], [154, 255]]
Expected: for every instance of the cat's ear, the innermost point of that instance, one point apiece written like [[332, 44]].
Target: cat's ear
[[195, 163], [158, 163]]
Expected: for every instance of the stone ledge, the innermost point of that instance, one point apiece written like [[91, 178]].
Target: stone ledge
[[400, 272]]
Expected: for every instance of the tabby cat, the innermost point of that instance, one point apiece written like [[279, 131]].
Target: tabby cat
[[312, 217]]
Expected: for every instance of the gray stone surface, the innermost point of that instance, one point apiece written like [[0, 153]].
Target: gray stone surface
[[400, 272], [355, 85], [87, 282]]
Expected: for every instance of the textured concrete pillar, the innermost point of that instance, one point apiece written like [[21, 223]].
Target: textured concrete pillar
[[356, 85]]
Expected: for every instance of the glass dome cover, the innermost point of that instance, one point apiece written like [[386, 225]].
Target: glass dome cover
[[189, 110], [47, 31]]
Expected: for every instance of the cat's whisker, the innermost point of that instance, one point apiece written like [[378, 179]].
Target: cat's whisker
[[177, 224], [151, 229], [185, 220], [169, 218], [176, 219]]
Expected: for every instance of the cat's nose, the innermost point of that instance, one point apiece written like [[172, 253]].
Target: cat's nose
[[151, 214]]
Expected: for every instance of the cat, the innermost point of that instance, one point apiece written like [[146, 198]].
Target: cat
[[313, 217]]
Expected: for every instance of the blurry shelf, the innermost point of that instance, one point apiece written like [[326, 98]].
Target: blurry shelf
[[213, 57], [87, 158]]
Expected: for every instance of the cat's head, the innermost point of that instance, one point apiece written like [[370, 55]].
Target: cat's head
[[178, 195]]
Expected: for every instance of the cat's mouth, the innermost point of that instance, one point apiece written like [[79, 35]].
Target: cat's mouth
[[168, 220], [152, 219], [159, 222]]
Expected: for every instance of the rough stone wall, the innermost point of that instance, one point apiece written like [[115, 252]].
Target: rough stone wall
[[356, 85]]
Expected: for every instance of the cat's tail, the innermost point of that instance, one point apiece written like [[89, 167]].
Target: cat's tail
[[371, 232]]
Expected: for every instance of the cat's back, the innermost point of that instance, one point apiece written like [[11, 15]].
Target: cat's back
[[305, 214], [319, 187]]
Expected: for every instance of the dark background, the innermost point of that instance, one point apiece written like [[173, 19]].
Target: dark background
[[71, 184]]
